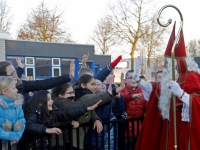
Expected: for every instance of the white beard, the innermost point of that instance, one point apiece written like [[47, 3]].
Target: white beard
[[165, 94], [192, 65]]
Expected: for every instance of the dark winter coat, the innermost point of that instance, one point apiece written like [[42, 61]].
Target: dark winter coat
[[29, 86], [34, 126], [89, 117], [104, 113], [101, 75], [88, 101], [19, 71], [19, 74]]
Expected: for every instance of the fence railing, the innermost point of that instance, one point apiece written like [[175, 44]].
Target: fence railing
[[116, 135]]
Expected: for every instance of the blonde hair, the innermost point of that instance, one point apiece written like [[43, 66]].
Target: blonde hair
[[5, 83]]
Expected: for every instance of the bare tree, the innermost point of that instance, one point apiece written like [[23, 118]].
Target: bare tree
[[194, 48], [103, 36], [153, 40], [159, 61], [5, 16], [44, 24], [130, 19]]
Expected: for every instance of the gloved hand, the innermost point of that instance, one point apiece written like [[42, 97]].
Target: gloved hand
[[116, 61], [175, 88], [136, 72]]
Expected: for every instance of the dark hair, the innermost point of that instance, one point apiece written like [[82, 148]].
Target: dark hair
[[142, 77], [40, 97], [158, 73], [83, 71], [84, 79], [3, 65], [130, 71], [60, 89]]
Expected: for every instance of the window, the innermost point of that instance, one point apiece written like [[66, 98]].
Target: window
[[65, 64], [56, 71], [43, 67], [29, 60], [30, 73], [55, 62], [13, 60]]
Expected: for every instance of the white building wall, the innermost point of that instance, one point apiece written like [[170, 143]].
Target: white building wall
[[2, 50], [3, 37]]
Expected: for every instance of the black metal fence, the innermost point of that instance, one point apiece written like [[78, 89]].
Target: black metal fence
[[120, 135]]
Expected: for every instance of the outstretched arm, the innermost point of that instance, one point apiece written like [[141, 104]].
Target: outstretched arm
[[102, 75], [84, 60], [45, 84], [71, 69], [146, 86]]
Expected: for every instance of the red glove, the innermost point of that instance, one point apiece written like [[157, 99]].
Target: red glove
[[116, 61]]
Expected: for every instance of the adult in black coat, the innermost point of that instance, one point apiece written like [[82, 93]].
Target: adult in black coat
[[7, 69]]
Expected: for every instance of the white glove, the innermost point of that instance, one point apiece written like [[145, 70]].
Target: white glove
[[136, 72], [175, 88]]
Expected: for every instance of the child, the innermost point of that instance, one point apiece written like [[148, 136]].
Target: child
[[41, 114], [85, 87], [105, 113], [12, 122]]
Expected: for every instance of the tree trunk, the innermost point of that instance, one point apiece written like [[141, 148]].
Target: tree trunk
[[132, 53], [148, 61]]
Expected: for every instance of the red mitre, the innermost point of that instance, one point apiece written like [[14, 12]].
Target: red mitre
[[180, 54], [170, 42], [180, 51]]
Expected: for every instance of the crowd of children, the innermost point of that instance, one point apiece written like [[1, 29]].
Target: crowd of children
[[90, 99]]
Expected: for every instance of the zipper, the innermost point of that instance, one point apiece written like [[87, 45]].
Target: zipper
[[47, 142]]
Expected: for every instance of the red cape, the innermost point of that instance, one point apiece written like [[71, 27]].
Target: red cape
[[157, 134]]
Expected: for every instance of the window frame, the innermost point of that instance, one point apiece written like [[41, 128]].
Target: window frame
[[33, 71], [29, 64], [53, 71], [56, 59]]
